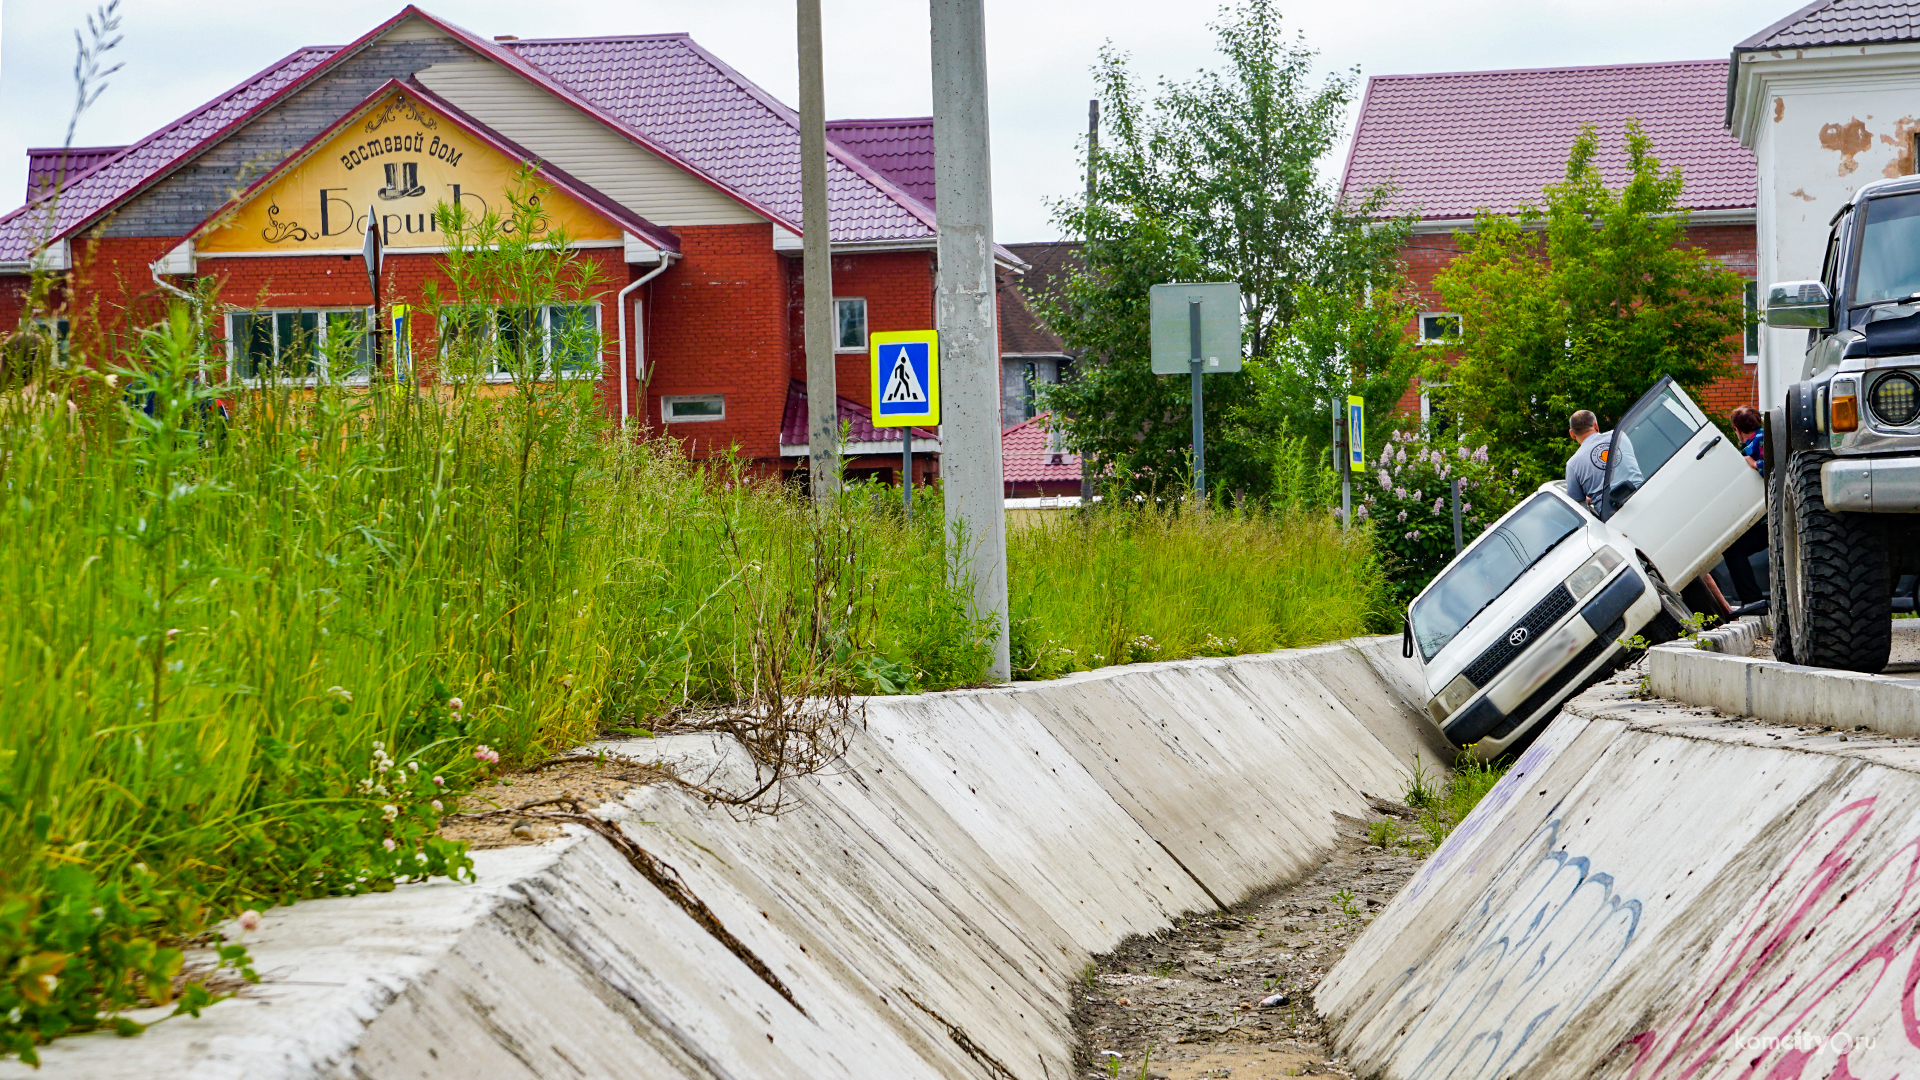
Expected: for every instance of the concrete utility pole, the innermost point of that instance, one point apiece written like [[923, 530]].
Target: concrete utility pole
[[964, 313], [823, 415], [1093, 176]]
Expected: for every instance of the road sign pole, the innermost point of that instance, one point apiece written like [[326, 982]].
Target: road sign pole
[[906, 473], [973, 483], [1456, 516], [1199, 426], [1346, 468]]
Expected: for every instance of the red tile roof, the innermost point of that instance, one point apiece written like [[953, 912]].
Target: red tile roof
[[1840, 22], [854, 416], [50, 165], [1455, 143], [1027, 455], [900, 150]]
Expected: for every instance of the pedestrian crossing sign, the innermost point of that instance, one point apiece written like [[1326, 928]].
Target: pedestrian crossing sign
[[904, 369]]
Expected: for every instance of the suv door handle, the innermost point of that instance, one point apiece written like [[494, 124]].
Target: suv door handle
[[1715, 441]]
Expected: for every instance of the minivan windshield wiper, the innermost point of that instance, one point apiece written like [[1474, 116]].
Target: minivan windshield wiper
[[1907, 299]]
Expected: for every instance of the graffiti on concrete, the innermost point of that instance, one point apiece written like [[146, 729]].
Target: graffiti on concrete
[[1540, 938], [1819, 978]]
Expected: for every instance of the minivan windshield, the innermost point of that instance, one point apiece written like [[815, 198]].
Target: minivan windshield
[[1478, 578], [1889, 269]]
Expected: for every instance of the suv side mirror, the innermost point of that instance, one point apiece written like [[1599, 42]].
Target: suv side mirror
[[1804, 304]]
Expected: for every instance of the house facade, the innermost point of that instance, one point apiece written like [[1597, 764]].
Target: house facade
[[1455, 144], [671, 175], [1826, 99]]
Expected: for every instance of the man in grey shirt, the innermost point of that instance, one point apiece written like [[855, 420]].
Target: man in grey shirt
[[1587, 468]]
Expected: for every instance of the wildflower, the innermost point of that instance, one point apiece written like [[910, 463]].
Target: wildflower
[[413, 766], [389, 812], [437, 808], [379, 747], [171, 634], [419, 856], [440, 781], [1402, 519], [455, 704], [249, 920], [486, 753], [388, 843], [50, 982], [343, 694]]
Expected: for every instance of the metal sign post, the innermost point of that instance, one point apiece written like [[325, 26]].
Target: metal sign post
[[1353, 427], [1456, 516], [903, 369], [371, 253], [1343, 464], [1195, 331]]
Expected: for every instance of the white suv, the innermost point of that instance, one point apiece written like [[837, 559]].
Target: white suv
[[1538, 604]]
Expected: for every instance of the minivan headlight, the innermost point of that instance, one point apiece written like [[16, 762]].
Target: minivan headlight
[[1593, 572], [1449, 700]]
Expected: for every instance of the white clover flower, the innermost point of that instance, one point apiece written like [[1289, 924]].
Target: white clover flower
[[455, 704], [413, 766], [388, 843], [250, 920], [440, 781], [437, 808], [420, 856], [389, 812]]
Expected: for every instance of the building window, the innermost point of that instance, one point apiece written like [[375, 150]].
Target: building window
[[850, 325], [693, 407], [299, 345], [1753, 322], [1439, 326], [549, 340], [57, 333]]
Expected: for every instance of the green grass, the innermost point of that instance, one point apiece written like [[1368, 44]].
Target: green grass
[[1444, 800], [1150, 584]]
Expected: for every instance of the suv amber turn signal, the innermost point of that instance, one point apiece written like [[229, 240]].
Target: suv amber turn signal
[[1846, 413]]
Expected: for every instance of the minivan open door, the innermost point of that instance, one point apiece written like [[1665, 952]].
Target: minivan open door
[[1697, 495]]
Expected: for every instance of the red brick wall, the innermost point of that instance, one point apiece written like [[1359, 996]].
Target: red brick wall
[[898, 288], [717, 324], [1426, 255]]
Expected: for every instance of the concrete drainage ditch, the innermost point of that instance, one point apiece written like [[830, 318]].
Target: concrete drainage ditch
[[927, 908], [1661, 889]]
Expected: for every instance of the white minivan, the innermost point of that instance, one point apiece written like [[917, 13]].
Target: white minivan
[[1539, 603]]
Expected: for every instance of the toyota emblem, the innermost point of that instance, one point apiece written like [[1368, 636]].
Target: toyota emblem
[[1518, 637]]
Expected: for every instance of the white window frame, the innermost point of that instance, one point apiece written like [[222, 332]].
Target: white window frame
[[668, 401], [865, 330], [61, 329], [1420, 328], [321, 364], [544, 329], [1750, 335]]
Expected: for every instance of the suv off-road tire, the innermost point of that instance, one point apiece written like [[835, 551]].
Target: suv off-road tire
[[1839, 599], [1780, 575]]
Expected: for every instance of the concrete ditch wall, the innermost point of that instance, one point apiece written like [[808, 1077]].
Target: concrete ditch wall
[[927, 906], [1659, 891]]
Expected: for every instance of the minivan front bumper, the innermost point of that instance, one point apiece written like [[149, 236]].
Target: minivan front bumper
[[1576, 642]]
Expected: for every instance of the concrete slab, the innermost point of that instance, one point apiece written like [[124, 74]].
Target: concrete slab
[[927, 903], [1671, 892], [1786, 693]]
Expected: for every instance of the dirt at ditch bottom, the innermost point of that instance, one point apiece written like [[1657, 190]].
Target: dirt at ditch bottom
[[1191, 993]]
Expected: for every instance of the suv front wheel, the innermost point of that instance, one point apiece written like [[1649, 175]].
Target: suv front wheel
[[1834, 577]]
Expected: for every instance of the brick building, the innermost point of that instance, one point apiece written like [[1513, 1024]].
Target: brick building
[[1454, 144], [674, 177]]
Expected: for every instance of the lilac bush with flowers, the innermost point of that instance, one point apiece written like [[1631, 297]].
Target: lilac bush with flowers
[[1407, 494]]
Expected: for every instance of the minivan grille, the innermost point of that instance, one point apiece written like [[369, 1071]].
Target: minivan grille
[[1535, 622]]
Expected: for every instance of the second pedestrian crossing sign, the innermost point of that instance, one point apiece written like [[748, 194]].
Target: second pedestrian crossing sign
[[904, 366]]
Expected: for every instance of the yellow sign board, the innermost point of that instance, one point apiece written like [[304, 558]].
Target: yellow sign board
[[402, 159]]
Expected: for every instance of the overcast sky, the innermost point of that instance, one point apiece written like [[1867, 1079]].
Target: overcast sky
[[180, 53]]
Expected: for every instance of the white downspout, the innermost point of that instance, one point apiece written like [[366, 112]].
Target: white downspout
[[620, 301]]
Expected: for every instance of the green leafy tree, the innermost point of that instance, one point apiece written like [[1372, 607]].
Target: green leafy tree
[[1217, 179], [1582, 303]]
